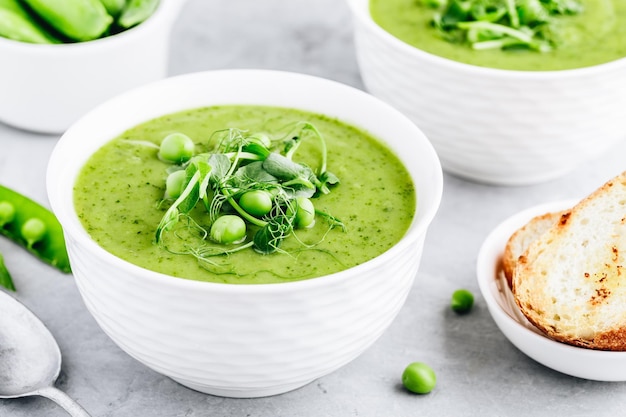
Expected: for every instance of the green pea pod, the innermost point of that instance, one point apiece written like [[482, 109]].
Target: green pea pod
[[17, 24], [114, 7], [80, 20], [5, 278], [136, 12], [50, 248]]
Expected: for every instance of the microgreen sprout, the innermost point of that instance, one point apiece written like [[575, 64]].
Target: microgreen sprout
[[502, 24], [254, 189]]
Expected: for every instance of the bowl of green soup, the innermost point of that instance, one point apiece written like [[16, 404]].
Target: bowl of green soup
[[61, 59], [244, 232], [509, 92]]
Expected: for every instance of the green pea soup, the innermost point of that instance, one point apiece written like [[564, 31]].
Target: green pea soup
[[118, 196], [595, 36]]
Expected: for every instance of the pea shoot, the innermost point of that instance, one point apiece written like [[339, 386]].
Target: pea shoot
[[33, 227], [462, 301], [419, 378], [253, 188], [502, 24]]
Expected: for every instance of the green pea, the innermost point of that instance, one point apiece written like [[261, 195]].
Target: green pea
[[80, 20], [51, 248], [305, 213], [175, 183], [33, 230], [256, 202], [176, 148], [228, 229], [419, 378], [462, 301], [7, 213]]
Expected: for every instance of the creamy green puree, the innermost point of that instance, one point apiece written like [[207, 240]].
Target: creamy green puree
[[118, 191], [596, 35]]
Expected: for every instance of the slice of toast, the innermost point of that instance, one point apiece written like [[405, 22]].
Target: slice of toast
[[571, 282], [522, 238]]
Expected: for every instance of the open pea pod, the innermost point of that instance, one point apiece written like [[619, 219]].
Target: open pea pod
[[16, 211]]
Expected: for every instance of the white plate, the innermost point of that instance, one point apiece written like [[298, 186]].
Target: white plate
[[570, 360]]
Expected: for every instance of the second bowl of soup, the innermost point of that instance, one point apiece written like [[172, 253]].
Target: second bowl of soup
[[509, 116]]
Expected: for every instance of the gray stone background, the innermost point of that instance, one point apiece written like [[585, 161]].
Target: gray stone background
[[479, 372]]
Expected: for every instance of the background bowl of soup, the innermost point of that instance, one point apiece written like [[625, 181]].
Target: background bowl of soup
[[241, 340], [47, 87], [530, 120]]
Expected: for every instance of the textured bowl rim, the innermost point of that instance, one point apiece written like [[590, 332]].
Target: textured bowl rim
[[488, 258], [166, 10], [415, 231], [365, 19]]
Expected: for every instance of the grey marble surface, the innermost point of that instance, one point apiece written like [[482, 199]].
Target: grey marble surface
[[479, 372]]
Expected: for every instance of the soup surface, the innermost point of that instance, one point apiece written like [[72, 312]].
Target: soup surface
[[119, 195], [596, 35]]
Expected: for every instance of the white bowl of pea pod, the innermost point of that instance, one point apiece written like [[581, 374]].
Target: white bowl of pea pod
[[87, 52]]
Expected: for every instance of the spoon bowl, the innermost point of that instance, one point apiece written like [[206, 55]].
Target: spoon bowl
[[30, 358]]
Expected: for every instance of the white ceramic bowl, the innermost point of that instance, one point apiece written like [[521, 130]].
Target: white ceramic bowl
[[45, 88], [570, 360], [244, 340], [491, 125]]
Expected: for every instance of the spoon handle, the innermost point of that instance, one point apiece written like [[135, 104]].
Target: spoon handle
[[72, 407]]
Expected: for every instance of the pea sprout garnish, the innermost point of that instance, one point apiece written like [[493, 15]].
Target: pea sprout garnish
[[502, 24], [249, 189]]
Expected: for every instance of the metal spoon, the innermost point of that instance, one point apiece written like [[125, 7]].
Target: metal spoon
[[30, 359]]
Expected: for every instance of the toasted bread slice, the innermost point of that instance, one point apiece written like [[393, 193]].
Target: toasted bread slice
[[571, 282], [522, 238]]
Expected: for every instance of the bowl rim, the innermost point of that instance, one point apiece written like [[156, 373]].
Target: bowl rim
[[365, 18], [83, 239], [488, 259], [165, 11]]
